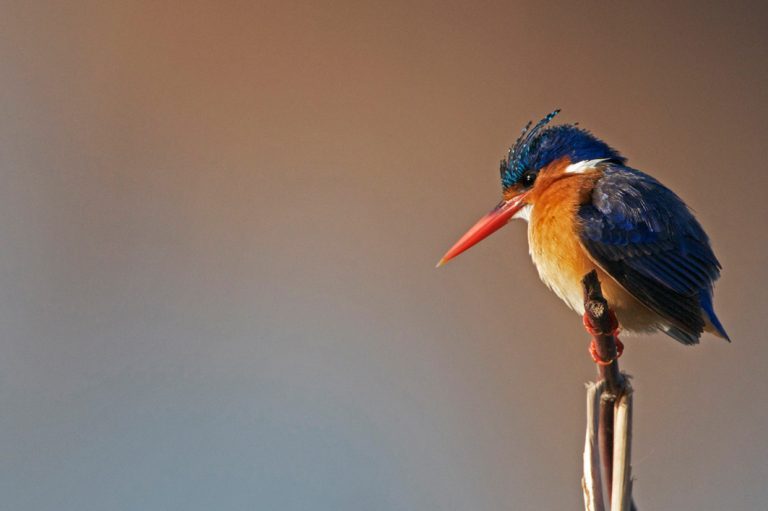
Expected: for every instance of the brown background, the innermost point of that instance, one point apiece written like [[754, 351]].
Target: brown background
[[218, 226]]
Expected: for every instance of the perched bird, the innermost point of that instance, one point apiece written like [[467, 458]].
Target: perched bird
[[586, 209]]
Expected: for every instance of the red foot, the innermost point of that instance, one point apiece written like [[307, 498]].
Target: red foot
[[614, 325], [600, 361], [593, 346]]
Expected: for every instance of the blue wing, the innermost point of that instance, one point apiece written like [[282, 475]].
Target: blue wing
[[645, 237]]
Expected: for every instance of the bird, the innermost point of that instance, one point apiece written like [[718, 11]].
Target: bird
[[587, 209]]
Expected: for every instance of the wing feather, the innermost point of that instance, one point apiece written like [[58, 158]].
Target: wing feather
[[645, 237]]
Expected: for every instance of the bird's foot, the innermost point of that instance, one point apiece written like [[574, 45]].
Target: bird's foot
[[594, 332], [596, 357]]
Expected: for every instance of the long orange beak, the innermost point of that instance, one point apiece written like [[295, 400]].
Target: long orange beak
[[486, 226]]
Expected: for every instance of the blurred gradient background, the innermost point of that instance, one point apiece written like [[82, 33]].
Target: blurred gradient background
[[218, 227]]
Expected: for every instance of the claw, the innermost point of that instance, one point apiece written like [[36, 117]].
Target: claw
[[600, 361], [594, 332]]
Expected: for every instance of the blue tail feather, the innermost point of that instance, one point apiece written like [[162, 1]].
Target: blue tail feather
[[706, 304]]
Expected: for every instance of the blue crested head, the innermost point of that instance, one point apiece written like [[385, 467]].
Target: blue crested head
[[539, 146]]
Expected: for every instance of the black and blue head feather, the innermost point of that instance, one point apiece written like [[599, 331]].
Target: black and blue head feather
[[539, 146]]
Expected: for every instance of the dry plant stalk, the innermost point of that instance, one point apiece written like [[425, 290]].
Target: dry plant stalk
[[607, 482], [591, 483], [622, 445]]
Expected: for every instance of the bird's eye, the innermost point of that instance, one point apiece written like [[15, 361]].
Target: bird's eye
[[528, 179]]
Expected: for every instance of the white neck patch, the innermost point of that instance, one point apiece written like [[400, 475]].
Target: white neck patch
[[524, 213], [583, 166]]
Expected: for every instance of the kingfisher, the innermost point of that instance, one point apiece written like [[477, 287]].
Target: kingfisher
[[588, 210]]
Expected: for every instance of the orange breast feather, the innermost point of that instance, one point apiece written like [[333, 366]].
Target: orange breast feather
[[553, 238]]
